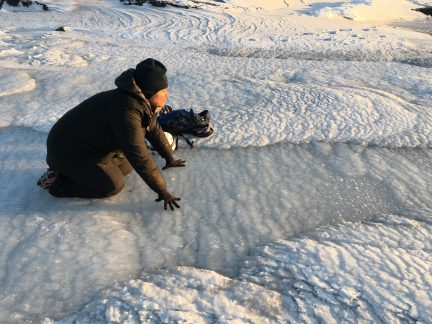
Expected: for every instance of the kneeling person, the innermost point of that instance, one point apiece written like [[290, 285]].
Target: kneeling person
[[94, 145]]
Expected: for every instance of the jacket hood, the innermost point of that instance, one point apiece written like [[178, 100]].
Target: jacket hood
[[126, 82]]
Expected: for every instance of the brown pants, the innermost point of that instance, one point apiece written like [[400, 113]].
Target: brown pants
[[100, 180]]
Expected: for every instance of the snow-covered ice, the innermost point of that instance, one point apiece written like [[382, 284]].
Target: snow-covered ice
[[335, 274], [311, 202]]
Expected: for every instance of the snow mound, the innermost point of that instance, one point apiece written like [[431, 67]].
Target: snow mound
[[40, 48], [15, 82], [185, 295], [377, 271], [365, 10]]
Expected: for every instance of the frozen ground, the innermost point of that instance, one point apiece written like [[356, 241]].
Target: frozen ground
[[311, 202]]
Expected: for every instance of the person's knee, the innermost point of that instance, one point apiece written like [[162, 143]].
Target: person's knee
[[80, 190], [117, 186], [122, 162], [126, 167]]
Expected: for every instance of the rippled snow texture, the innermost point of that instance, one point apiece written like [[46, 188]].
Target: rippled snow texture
[[377, 271], [286, 80], [318, 123]]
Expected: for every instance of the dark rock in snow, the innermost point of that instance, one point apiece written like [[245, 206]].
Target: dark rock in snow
[[134, 2], [62, 29], [24, 3], [16, 3], [44, 6], [157, 3], [164, 3], [426, 10]]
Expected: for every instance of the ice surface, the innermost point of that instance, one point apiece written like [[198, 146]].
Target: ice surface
[[59, 253], [378, 271], [311, 202]]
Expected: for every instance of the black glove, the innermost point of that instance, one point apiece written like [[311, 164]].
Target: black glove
[[168, 200], [174, 164]]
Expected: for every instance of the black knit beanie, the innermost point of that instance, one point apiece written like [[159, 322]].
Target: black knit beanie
[[150, 77]]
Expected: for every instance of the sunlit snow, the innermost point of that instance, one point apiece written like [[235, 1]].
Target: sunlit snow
[[311, 202]]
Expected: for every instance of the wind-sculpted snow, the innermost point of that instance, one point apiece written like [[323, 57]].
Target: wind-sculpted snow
[[232, 33], [260, 102], [297, 113], [185, 295], [365, 10], [291, 95], [287, 81], [376, 271]]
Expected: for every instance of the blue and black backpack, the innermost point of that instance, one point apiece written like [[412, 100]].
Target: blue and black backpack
[[182, 122]]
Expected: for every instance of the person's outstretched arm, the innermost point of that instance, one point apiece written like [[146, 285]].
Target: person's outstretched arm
[[130, 136], [157, 139]]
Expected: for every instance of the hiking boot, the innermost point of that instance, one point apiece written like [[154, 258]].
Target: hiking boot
[[48, 179]]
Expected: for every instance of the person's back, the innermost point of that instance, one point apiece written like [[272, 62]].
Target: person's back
[[84, 131]]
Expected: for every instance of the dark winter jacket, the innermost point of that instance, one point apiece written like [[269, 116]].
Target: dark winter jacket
[[118, 119]]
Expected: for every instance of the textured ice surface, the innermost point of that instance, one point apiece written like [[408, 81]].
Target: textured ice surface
[[376, 271], [309, 86], [373, 271], [57, 254]]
